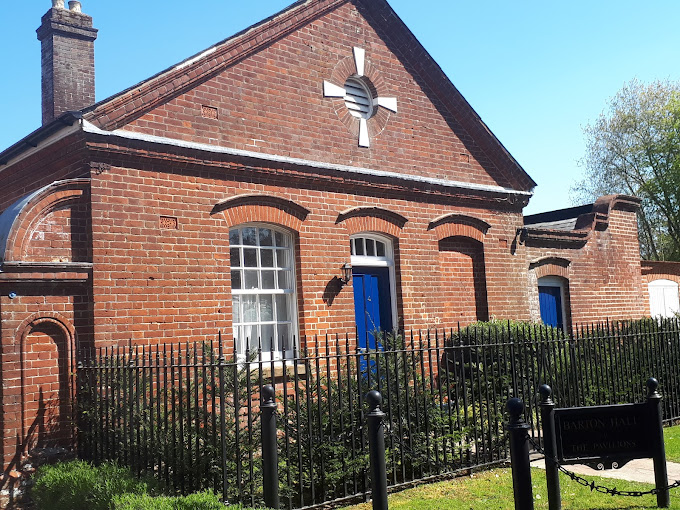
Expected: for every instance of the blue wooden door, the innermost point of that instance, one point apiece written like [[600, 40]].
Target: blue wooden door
[[550, 301], [372, 303]]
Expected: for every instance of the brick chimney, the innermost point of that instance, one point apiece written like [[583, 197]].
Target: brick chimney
[[67, 48]]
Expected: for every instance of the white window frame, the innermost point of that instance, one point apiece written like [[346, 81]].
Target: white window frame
[[377, 261], [238, 322], [665, 286]]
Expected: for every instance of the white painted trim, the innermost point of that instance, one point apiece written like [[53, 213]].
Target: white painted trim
[[198, 57], [362, 260], [333, 90], [359, 60], [294, 316], [363, 133], [389, 103], [131, 135]]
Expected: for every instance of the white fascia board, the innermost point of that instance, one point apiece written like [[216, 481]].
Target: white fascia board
[[62, 133], [131, 135]]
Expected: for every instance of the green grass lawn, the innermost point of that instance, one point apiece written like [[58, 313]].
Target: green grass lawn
[[492, 490], [671, 437]]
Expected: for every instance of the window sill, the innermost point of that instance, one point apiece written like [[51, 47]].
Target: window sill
[[278, 368]]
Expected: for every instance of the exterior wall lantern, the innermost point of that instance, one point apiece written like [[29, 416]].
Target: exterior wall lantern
[[346, 273]]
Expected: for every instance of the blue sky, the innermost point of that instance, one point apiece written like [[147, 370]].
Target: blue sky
[[535, 71]]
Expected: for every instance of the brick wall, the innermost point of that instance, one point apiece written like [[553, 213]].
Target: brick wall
[[45, 310], [462, 288], [170, 284], [38, 336], [273, 102], [603, 276]]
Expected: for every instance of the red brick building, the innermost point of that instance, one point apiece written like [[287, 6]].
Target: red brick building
[[238, 190]]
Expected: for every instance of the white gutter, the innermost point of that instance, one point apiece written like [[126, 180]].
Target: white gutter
[[131, 135]]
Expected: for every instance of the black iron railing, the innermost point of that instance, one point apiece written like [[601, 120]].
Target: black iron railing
[[189, 414]]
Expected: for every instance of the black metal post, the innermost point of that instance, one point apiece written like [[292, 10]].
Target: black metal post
[[663, 499], [223, 422], [80, 412], [547, 406], [376, 445], [519, 456], [270, 456]]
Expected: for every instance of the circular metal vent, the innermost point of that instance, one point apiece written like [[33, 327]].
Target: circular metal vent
[[358, 98]]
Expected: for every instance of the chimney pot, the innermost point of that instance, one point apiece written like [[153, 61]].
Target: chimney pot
[[58, 4], [75, 6]]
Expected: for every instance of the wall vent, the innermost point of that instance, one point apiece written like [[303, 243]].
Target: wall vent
[[358, 99], [209, 112], [168, 222]]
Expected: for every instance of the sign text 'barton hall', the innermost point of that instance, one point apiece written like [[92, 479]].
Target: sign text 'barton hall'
[[609, 432]]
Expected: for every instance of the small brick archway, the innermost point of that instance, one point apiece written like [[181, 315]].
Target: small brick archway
[[47, 346]]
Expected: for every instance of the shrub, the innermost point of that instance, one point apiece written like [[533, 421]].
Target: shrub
[[77, 485], [325, 422], [206, 500], [168, 420]]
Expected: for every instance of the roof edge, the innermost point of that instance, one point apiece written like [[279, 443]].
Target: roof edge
[[485, 130], [58, 127], [217, 149]]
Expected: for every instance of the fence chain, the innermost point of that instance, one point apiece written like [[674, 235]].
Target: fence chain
[[600, 488]]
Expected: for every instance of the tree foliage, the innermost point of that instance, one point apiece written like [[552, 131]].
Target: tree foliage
[[634, 148]]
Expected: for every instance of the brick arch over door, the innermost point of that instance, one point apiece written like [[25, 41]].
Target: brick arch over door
[[71, 229], [244, 209], [551, 266], [462, 280], [372, 219], [47, 347]]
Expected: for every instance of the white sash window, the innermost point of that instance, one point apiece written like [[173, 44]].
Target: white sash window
[[263, 290]]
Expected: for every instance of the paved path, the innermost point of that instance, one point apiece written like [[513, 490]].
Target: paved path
[[639, 470]]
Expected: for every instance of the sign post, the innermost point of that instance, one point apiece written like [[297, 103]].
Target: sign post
[[603, 437], [552, 474], [519, 456], [663, 499]]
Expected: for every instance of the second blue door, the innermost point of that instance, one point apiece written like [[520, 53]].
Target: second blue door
[[372, 303], [550, 301]]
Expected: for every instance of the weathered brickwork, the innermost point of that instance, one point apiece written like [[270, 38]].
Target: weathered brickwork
[[272, 102], [67, 58], [462, 288], [38, 344], [602, 276]]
